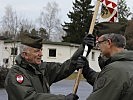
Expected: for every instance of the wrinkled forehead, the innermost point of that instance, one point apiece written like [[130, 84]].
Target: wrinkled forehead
[[32, 49]]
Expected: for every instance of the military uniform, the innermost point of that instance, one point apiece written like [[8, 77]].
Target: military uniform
[[115, 81], [27, 82]]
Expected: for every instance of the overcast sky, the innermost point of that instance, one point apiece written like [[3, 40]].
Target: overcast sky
[[32, 8]]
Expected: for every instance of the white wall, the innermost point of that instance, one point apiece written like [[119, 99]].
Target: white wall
[[7, 52], [63, 52], [94, 62], [1, 52]]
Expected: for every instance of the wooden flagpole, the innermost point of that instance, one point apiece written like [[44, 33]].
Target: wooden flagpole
[[86, 47]]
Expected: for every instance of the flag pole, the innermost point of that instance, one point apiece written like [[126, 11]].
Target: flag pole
[[75, 88], [94, 17]]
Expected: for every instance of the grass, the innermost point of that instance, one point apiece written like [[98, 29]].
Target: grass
[[74, 75]]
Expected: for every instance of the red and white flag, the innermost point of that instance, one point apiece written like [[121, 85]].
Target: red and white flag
[[108, 11]]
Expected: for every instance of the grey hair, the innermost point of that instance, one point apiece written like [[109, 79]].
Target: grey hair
[[23, 48], [118, 39]]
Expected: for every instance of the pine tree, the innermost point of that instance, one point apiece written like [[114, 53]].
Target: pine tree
[[123, 11], [43, 33], [34, 31], [80, 20]]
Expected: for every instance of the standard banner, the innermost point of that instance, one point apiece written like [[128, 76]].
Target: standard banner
[[108, 12]]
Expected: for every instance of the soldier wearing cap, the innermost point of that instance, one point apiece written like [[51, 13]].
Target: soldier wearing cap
[[30, 78], [115, 80]]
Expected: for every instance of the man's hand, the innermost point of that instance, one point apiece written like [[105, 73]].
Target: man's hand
[[71, 96], [82, 62], [89, 40]]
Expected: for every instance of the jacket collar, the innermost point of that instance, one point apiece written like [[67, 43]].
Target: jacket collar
[[23, 63], [122, 56]]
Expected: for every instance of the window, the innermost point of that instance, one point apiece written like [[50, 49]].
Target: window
[[5, 60], [14, 51], [93, 56], [52, 52]]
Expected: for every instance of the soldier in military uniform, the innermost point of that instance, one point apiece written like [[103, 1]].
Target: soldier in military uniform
[[30, 78], [115, 81]]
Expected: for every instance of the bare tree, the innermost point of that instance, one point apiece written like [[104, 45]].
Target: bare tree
[[10, 21], [11, 25], [26, 24], [49, 19]]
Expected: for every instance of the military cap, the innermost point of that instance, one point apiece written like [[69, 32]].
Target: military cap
[[110, 27], [31, 40]]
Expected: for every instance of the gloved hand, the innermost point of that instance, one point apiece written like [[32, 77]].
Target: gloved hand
[[71, 96], [89, 40], [88, 73], [82, 62]]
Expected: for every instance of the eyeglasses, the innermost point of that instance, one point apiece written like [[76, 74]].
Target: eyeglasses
[[99, 42]]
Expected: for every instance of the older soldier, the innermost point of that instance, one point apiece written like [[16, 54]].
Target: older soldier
[[30, 78], [115, 81]]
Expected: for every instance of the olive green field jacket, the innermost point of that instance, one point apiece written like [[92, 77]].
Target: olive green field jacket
[[115, 81], [32, 82]]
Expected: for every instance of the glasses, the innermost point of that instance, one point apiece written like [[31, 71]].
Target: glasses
[[99, 42]]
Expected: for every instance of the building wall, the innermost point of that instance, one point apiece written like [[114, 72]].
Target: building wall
[[93, 59], [63, 52], [1, 52], [7, 52]]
